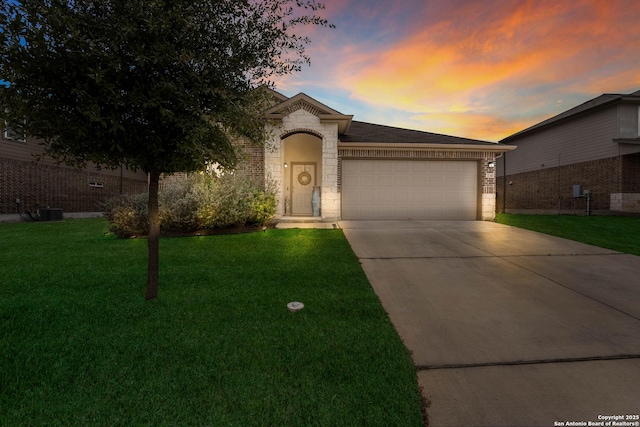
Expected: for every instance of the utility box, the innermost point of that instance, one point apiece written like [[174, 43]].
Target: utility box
[[50, 214], [577, 191]]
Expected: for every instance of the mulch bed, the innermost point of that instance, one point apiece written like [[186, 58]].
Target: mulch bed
[[249, 228]]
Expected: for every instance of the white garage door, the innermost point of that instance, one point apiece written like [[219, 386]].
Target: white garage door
[[404, 189]]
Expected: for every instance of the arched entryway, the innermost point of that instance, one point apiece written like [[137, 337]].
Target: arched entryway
[[302, 155]]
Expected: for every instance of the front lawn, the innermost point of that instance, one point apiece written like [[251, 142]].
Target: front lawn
[[611, 232], [79, 345]]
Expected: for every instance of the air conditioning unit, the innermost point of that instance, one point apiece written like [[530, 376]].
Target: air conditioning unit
[[50, 214]]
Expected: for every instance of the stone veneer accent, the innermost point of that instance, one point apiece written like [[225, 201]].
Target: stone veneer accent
[[302, 121], [625, 202]]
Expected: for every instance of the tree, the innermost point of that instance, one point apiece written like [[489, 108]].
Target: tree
[[158, 85]]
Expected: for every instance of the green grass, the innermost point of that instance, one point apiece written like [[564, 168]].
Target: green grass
[[79, 345], [611, 232]]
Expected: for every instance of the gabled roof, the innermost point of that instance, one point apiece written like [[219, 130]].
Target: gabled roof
[[354, 133], [584, 108], [368, 132], [317, 108]]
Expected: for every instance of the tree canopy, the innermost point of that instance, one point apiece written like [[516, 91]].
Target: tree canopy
[[158, 85]]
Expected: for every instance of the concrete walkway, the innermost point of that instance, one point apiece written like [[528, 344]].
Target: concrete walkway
[[508, 327], [305, 222]]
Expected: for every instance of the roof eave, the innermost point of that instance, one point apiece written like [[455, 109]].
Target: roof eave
[[343, 121], [537, 127]]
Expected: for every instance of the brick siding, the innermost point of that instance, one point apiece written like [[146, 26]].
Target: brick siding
[[40, 186], [551, 189], [252, 160], [631, 173]]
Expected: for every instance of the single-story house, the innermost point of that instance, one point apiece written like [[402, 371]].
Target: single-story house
[[373, 172], [358, 170], [591, 151]]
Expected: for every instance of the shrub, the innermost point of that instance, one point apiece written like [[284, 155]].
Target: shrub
[[128, 215], [263, 207], [197, 201], [178, 203]]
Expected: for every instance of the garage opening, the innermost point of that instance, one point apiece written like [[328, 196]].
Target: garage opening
[[409, 190]]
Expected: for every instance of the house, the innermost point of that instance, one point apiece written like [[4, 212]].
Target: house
[[372, 172], [591, 151], [46, 184], [358, 170]]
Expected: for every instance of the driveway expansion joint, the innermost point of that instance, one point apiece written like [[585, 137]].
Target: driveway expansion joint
[[526, 362], [429, 257]]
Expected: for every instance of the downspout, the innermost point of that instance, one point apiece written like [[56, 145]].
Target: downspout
[[504, 182]]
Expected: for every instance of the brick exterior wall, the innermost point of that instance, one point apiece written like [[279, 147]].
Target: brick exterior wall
[[631, 173], [40, 186], [252, 160], [549, 190]]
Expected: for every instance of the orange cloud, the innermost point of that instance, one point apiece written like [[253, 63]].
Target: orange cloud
[[461, 65]]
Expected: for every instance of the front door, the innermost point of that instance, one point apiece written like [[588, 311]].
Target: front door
[[303, 178]]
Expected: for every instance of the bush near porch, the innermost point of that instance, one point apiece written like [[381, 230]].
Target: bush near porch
[[79, 345], [196, 202]]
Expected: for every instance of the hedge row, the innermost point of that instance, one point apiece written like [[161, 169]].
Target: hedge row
[[196, 202]]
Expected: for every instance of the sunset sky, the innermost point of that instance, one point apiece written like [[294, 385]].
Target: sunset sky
[[481, 69]]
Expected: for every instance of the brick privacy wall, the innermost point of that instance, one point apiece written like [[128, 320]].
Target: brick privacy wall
[[40, 186], [552, 188]]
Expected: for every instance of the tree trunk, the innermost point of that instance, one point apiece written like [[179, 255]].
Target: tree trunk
[[154, 236]]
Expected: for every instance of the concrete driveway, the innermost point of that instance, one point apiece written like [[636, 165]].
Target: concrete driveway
[[508, 327]]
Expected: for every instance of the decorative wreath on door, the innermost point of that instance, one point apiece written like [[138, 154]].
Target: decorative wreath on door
[[304, 178]]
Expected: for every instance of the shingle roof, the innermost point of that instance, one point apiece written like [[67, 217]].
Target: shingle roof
[[369, 132], [599, 101]]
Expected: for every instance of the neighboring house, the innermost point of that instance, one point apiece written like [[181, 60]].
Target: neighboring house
[[45, 184], [368, 171], [595, 146]]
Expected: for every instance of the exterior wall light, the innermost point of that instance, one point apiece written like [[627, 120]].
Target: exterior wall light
[[492, 164], [286, 165]]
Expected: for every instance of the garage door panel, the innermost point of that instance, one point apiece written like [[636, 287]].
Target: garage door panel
[[385, 167], [401, 181], [419, 181], [434, 166], [385, 181], [419, 197], [435, 181], [419, 166], [400, 189], [401, 196]]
